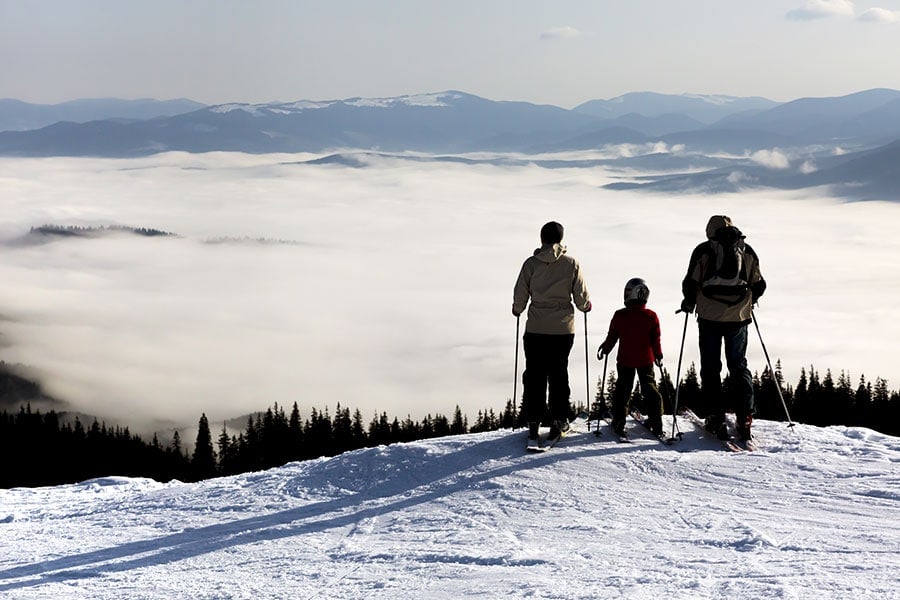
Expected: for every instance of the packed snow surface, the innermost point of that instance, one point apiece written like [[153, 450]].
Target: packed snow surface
[[813, 514]]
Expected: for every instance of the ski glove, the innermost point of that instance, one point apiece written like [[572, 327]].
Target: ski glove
[[758, 289], [658, 362], [687, 306]]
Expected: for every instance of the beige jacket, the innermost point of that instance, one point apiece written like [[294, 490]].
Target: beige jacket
[[552, 280]]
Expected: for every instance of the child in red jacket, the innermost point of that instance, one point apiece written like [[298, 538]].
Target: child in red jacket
[[637, 328]]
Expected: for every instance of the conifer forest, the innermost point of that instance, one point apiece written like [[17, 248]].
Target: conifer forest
[[50, 448]]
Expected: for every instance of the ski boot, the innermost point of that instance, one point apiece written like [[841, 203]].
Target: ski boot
[[558, 428], [655, 427], [743, 425], [715, 424]]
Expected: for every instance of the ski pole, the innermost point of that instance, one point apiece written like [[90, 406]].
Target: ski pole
[[602, 389], [772, 371], [662, 381], [587, 368], [516, 376], [678, 372]]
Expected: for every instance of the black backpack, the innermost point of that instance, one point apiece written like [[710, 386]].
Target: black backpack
[[725, 277]]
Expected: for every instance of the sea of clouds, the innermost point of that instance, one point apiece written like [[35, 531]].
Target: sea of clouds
[[388, 287]]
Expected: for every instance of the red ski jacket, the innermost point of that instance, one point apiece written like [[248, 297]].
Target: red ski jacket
[[637, 328]]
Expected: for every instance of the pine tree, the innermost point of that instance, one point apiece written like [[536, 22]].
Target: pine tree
[[458, 427], [357, 432], [689, 394], [226, 452], [295, 434], [508, 420], [844, 400], [203, 462], [342, 433], [862, 401], [801, 398]]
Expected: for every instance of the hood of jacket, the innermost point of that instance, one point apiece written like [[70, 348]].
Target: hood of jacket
[[549, 253]]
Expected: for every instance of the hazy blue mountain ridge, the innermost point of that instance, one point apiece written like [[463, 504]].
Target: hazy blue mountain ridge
[[865, 175], [16, 115], [456, 122], [704, 108]]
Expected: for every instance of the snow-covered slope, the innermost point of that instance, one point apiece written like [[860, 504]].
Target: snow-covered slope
[[813, 515]]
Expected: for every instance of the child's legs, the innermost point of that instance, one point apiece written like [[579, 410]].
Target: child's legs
[[622, 394], [653, 402]]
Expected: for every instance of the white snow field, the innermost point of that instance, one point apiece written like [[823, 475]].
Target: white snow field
[[814, 514]]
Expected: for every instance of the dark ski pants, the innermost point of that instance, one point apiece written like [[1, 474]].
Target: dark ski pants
[[714, 335], [546, 366], [653, 402]]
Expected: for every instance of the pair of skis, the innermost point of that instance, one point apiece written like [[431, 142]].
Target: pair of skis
[[543, 443], [732, 444], [643, 422]]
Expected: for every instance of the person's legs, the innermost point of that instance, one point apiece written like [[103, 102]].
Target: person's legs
[[710, 334], [558, 376], [741, 381], [534, 379], [710, 339]]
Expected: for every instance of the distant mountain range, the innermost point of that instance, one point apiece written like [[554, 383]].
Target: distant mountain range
[[16, 115], [838, 137]]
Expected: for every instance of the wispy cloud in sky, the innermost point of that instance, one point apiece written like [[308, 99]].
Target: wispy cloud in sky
[[880, 15], [557, 33], [772, 159], [821, 9]]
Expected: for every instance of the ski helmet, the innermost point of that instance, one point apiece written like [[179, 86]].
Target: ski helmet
[[636, 289]]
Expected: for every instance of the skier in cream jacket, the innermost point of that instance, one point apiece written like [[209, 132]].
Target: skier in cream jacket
[[552, 281]]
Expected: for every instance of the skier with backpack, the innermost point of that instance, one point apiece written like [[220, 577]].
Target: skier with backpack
[[552, 281], [636, 328], [722, 284]]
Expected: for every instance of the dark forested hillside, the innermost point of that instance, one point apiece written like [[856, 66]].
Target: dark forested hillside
[[49, 448]]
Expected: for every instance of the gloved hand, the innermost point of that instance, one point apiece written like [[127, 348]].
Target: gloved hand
[[757, 290], [658, 362], [687, 306], [602, 353], [515, 314], [588, 308]]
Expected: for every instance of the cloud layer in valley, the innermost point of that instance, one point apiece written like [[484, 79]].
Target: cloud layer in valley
[[386, 287]]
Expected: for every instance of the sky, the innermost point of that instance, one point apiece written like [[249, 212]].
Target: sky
[[561, 53], [392, 290]]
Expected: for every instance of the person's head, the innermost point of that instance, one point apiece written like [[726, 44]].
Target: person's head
[[551, 233], [717, 222], [636, 292]]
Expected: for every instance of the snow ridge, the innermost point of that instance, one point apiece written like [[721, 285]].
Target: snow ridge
[[813, 514]]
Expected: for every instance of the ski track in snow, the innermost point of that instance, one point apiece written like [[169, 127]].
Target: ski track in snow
[[814, 514]]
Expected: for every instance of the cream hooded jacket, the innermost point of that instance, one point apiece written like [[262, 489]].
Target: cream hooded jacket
[[552, 280]]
